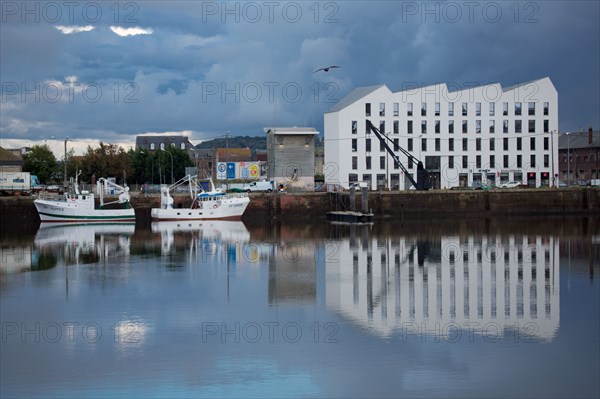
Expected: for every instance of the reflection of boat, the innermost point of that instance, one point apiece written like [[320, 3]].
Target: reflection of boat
[[211, 204], [80, 242], [78, 206], [226, 230]]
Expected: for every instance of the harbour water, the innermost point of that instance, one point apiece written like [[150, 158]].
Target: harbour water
[[453, 308]]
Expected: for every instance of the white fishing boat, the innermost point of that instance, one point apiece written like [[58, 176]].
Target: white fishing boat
[[80, 206], [205, 205]]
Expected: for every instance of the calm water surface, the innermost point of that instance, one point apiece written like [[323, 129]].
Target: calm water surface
[[453, 308]]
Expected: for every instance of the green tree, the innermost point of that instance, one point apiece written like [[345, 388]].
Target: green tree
[[40, 161], [107, 160]]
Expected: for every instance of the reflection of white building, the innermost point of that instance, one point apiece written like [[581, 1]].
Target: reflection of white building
[[484, 285]]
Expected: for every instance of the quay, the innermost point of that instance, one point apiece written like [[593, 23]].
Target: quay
[[382, 204]]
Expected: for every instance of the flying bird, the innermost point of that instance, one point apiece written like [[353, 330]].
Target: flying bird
[[326, 69]]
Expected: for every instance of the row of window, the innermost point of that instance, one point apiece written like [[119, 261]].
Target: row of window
[[162, 146], [518, 162], [518, 126], [451, 147], [518, 109]]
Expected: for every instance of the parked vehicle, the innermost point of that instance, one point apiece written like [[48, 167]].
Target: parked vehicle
[[17, 182], [510, 184], [260, 186]]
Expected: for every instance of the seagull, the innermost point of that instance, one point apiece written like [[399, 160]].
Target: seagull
[[326, 69]]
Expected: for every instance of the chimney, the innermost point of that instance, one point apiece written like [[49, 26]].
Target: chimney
[[590, 136]]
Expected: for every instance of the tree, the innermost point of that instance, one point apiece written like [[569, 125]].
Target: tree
[[107, 160], [40, 161]]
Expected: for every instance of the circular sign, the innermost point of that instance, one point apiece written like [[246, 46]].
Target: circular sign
[[221, 167]]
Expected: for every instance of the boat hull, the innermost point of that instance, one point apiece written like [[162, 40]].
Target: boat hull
[[227, 209], [58, 211]]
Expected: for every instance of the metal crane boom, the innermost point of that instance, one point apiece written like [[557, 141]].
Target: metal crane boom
[[422, 182]]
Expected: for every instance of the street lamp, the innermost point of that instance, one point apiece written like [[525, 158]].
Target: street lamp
[[568, 160], [171, 155], [65, 185]]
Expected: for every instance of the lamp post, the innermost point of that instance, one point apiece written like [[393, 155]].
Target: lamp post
[[171, 155], [65, 185], [568, 161]]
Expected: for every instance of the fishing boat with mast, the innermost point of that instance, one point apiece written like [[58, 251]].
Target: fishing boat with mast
[[206, 204], [80, 206]]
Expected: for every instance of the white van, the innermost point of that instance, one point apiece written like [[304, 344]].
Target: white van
[[358, 185], [260, 186]]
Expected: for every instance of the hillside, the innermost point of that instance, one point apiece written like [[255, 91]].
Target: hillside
[[254, 143]]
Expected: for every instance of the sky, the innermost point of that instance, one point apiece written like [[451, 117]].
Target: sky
[[112, 70]]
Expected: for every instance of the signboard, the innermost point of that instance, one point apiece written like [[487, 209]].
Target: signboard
[[231, 170], [254, 171], [221, 171]]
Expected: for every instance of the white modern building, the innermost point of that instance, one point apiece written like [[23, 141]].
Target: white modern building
[[464, 136]]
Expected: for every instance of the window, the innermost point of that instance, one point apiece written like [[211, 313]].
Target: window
[[505, 161], [437, 109], [477, 109], [368, 162], [162, 146], [437, 126], [478, 161], [381, 162], [423, 127], [381, 146], [409, 127], [532, 143], [465, 161], [519, 161], [152, 146], [354, 127], [450, 109], [368, 145], [410, 163], [505, 144], [465, 107], [478, 126], [367, 130], [182, 146], [438, 144], [382, 127], [409, 109], [451, 162], [518, 126], [464, 126], [546, 108], [531, 108], [354, 163], [423, 109], [396, 127], [410, 145], [546, 143], [354, 145], [518, 108], [381, 109], [531, 127], [546, 126], [492, 126], [450, 126], [492, 109], [505, 126], [368, 109], [396, 145], [519, 145], [532, 161], [465, 144], [450, 144], [492, 161], [396, 109], [546, 160], [504, 109], [423, 145], [478, 144], [492, 144]]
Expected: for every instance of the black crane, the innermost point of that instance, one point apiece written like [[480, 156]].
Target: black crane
[[423, 182]]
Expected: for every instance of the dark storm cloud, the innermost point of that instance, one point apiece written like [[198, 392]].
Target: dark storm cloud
[[208, 68]]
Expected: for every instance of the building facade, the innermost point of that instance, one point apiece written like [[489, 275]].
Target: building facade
[[477, 135], [291, 156], [582, 149]]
